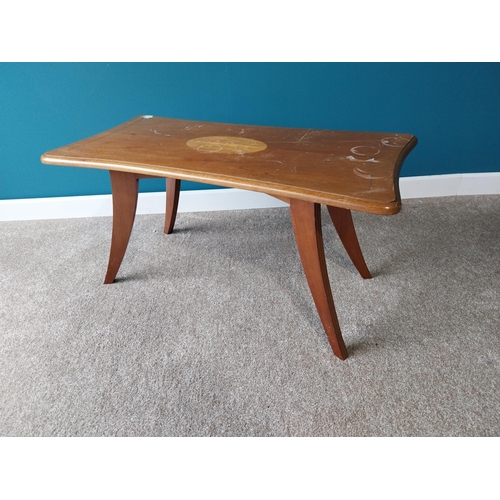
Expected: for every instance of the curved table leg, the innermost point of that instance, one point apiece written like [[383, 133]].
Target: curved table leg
[[173, 190], [342, 220], [306, 218], [125, 189]]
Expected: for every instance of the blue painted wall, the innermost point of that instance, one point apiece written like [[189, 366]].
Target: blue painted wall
[[453, 108]]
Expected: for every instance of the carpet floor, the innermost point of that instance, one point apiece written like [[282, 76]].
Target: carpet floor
[[212, 331]]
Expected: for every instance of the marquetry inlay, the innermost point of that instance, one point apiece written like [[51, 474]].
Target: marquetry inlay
[[226, 145]]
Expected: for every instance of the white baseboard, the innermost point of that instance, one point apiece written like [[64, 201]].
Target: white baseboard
[[433, 186], [230, 199], [67, 207]]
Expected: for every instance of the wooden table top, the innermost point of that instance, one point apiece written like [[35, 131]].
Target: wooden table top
[[353, 170]]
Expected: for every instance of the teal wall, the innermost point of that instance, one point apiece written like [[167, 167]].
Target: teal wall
[[453, 109]]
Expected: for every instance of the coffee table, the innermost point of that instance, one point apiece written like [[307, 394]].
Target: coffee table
[[304, 167]]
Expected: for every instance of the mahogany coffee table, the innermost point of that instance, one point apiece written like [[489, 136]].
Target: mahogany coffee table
[[306, 168]]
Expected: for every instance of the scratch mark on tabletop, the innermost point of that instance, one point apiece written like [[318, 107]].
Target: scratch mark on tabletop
[[371, 190], [369, 151], [158, 133], [202, 149], [304, 136]]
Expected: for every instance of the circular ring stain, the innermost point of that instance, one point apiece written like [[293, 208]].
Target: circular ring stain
[[394, 141], [369, 151], [368, 174]]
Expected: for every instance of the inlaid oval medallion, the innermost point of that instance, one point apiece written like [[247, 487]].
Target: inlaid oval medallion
[[226, 145]]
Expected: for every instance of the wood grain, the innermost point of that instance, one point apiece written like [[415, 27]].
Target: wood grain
[[347, 169], [125, 187], [306, 219], [172, 191], [342, 220]]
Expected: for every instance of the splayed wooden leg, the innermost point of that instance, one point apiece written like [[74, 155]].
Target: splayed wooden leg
[[173, 190], [342, 220], [306, 218], [125, 189]]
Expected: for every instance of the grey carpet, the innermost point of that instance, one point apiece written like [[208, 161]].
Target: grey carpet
[[211, 331]]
